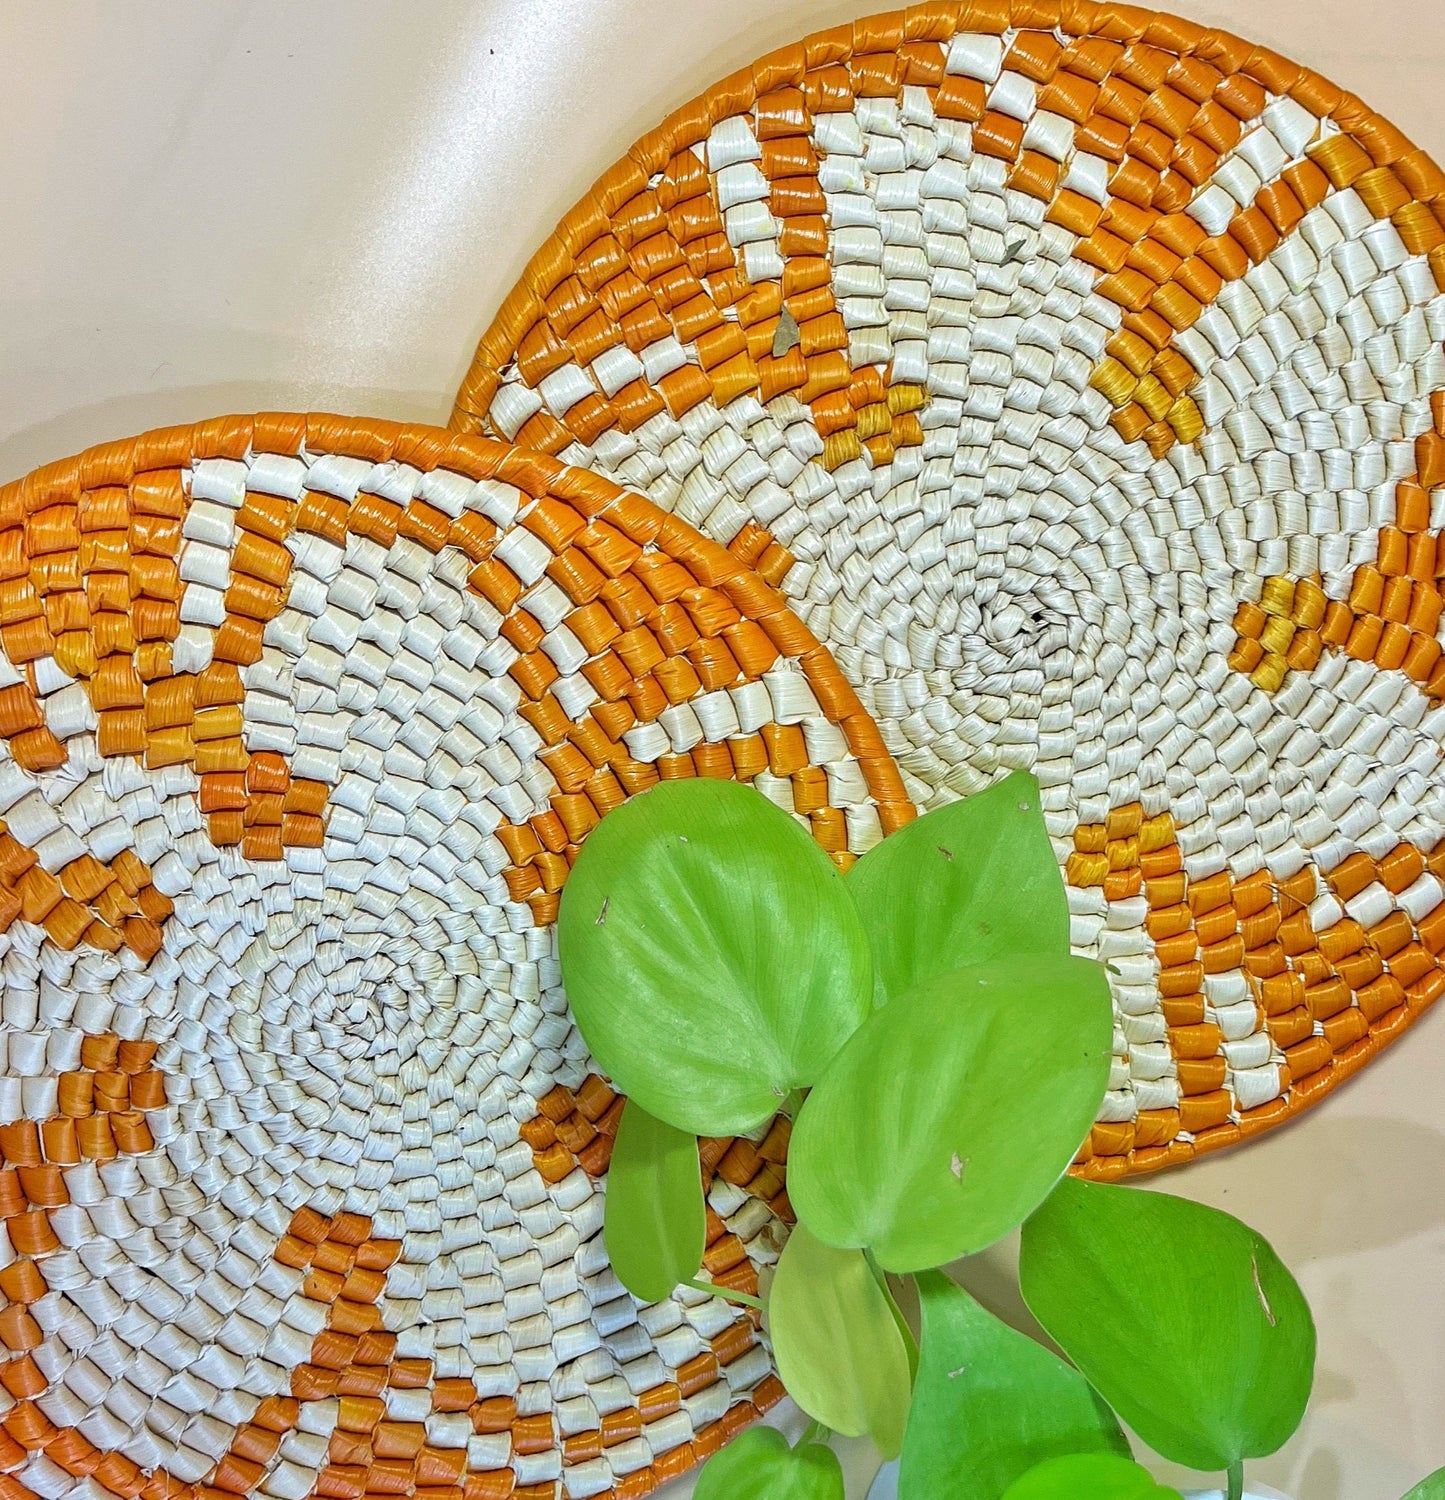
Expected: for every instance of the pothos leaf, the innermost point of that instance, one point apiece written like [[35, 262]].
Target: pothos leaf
[[953, 1110], [971, 881], [1089, 1477], [654, 1224], [990, 1403], [1432, 1487], [713, 959], [759, 1465], [838, 1348], [1183, 1319]]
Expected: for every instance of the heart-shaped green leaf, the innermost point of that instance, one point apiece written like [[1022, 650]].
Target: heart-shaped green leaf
[[952, 1111], [1183, 1318], [713, 958], [654, 1224], [969, 882], [1432, 1487], [838, 1349], [989, 1403], [1089, 1477], [759, 1465]]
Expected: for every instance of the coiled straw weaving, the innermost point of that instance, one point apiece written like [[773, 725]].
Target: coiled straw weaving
[[1088, 364], [1055, 385]]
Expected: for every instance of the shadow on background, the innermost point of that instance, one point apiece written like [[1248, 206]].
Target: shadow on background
[[1327, 1184], [1321, 1478]]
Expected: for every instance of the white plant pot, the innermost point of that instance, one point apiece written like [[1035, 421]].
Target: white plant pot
[[885, 1487], [1255, 1492]]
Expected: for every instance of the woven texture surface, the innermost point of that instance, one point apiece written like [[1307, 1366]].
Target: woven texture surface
[[987, 386], [1089, 363], [306, 718]]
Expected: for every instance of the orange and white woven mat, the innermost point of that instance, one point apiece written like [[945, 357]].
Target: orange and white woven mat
[[1037, 384], [1087, 364]]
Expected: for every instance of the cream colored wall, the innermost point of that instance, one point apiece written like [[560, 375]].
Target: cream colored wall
[[288, 203]]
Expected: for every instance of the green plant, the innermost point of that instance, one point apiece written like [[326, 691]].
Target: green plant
[[1088, 1476], [991, 1401], [655, 1219], [714, 960], [759, 1465], [837, 1342], [993, 1113], [1221, 1345], [943, 1057]]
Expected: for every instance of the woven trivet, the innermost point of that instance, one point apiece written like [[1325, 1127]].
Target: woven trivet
[[1088, 362], [305, 719], [1052, 386]]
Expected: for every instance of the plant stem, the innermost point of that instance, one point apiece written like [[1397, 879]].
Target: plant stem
[[793, 1103], [815, 1432], [1236, 1480], [713, 1290]]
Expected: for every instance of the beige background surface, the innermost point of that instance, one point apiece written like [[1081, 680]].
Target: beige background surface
[[288, 203]]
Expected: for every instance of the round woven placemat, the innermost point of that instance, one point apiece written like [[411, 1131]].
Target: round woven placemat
[[305, 719], [1087, 361]]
